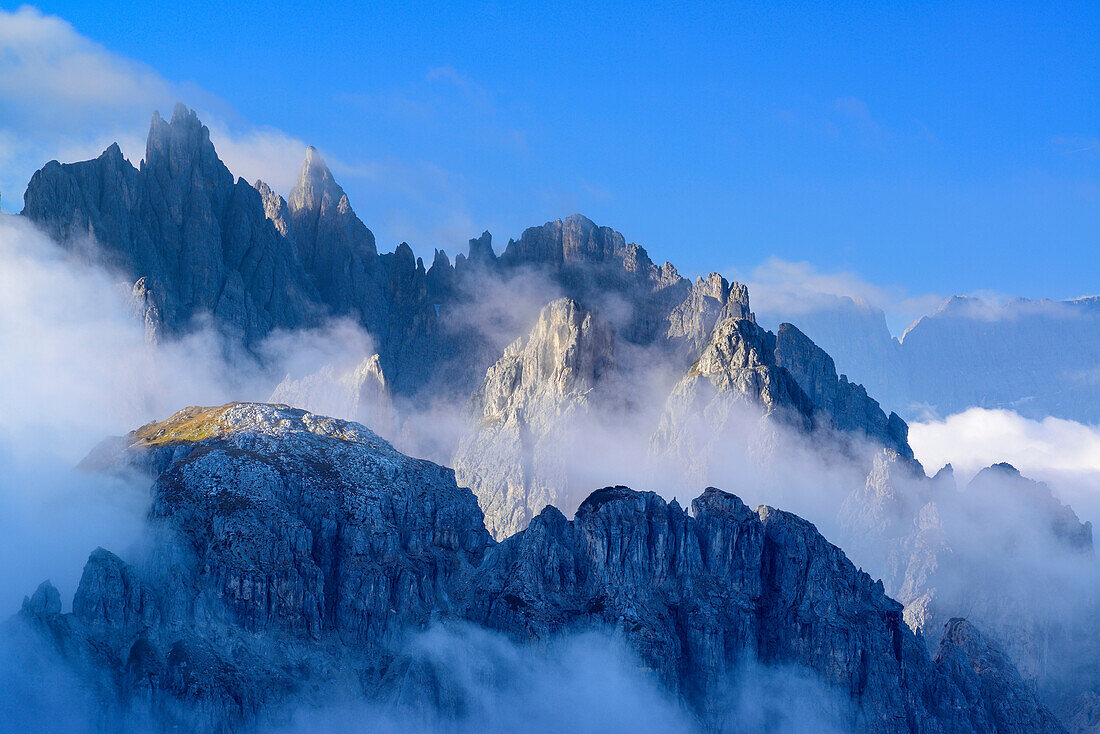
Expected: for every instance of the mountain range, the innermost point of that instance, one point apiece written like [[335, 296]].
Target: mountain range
[[970, 352], [291, 554]]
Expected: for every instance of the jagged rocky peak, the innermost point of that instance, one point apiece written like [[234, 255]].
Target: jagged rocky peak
[[320, 209], [569, 349], [275, 208], [744, 372], [739, 361], [837, 403], [200, 240], [577, 239], [481, 250], [174, 148], [516, 453], [316, 187], [567, 353], [711, 300], [302, 551]]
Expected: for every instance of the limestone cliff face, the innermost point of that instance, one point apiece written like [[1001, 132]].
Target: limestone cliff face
[[745, 372], [528, 423], [196, 241], [334, 246], [293, 550], [838, 404], [710, 301], [731, 394], [517, 452]]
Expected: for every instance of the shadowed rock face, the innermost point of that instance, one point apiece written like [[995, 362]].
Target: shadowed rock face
[[837, 402], [291, 550], [199, 241]]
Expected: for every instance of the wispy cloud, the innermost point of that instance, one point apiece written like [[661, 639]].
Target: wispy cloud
[[1076, 144], [47, 68], [65, 97], [262, 153], [787, 289], [473, 91]]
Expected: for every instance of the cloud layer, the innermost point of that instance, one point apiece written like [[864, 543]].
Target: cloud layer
[[1065, 454]]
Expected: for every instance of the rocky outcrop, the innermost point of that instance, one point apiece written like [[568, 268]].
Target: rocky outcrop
[[711, 300], [966, 651], [731, 394], [291, 551], [838, 404], [528, 412], [194, 240], [746, 373], [334, 246], [360, 393]]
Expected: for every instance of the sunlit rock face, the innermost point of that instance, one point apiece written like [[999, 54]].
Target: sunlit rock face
[[290, 552], [565, 396], [527, 416], [784, 378], [712, 299]]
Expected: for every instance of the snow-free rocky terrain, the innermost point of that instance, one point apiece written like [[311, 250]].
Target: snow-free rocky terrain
[[292, 553]]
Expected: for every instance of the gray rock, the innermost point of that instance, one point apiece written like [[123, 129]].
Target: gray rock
[[837, 403], [964, 650], [711, 300], [293, 549], [526, 415], [193, 240], [360, 393]]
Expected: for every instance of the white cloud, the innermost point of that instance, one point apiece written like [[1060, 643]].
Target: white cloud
[[265, 153], [789, 289], [65, 97], [1064, 454], [474, 92], [47, 67]]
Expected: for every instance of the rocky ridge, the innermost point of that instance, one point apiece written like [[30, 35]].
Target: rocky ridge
[[287, 541], [968, 352], [528, 415]]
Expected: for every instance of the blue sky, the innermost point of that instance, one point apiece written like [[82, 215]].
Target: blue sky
[[939, 150]]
